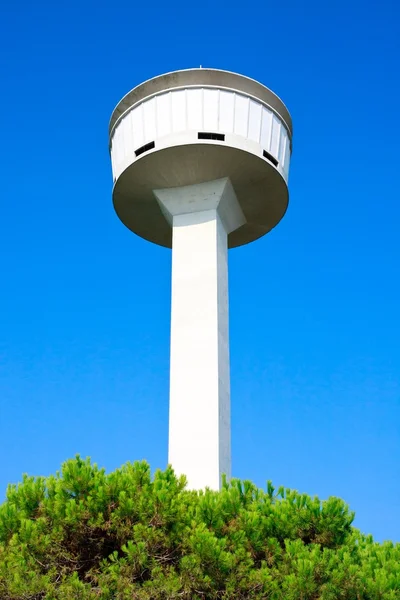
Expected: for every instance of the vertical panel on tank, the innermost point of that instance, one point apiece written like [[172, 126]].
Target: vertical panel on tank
[[254, 121], [282, 147], [266, 128], [194, 100], [226, 111], [149, 118], [210, 106], [126, 125], [163, 114], [178, 102], [117, 147], [137, 127], [241, 115], [286, 159], [275, 136], [112, 154]]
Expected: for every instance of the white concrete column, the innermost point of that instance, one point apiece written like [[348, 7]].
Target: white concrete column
[[199, 414]]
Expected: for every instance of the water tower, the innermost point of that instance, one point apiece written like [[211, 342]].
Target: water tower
[[200, 162]]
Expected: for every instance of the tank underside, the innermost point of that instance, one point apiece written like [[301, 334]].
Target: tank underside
[[259, 187]]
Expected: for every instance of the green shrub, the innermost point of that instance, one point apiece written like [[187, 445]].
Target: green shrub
[[85, 534]]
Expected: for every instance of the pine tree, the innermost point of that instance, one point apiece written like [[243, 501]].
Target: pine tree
[[84, 534]]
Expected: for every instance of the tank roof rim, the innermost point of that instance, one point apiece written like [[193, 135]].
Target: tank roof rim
[[144, 84]]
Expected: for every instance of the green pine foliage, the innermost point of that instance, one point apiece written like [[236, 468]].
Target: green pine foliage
[[87, 535]]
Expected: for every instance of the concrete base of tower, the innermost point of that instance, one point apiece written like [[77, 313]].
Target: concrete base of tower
[[201, 216]]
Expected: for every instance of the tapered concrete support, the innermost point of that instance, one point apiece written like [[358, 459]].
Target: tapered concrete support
[[202, 216]]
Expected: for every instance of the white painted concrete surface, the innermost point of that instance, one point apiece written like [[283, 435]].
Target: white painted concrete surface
[[175, 117], [201, 215]]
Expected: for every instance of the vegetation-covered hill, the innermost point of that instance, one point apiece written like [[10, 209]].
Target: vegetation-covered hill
[[84, 534]]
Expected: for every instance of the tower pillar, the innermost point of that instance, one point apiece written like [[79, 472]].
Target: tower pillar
[[201, 216]]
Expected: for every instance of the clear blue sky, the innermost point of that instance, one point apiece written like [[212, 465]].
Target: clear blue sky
[[84, 304]]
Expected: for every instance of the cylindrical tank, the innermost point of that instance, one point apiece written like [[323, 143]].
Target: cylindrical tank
[[194, 126]]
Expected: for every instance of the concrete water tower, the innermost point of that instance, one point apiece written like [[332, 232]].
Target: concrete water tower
[[200, 162]]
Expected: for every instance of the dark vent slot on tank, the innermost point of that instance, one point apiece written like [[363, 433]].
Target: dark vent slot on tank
[[204, 135], [271, 158], [144, 148]]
